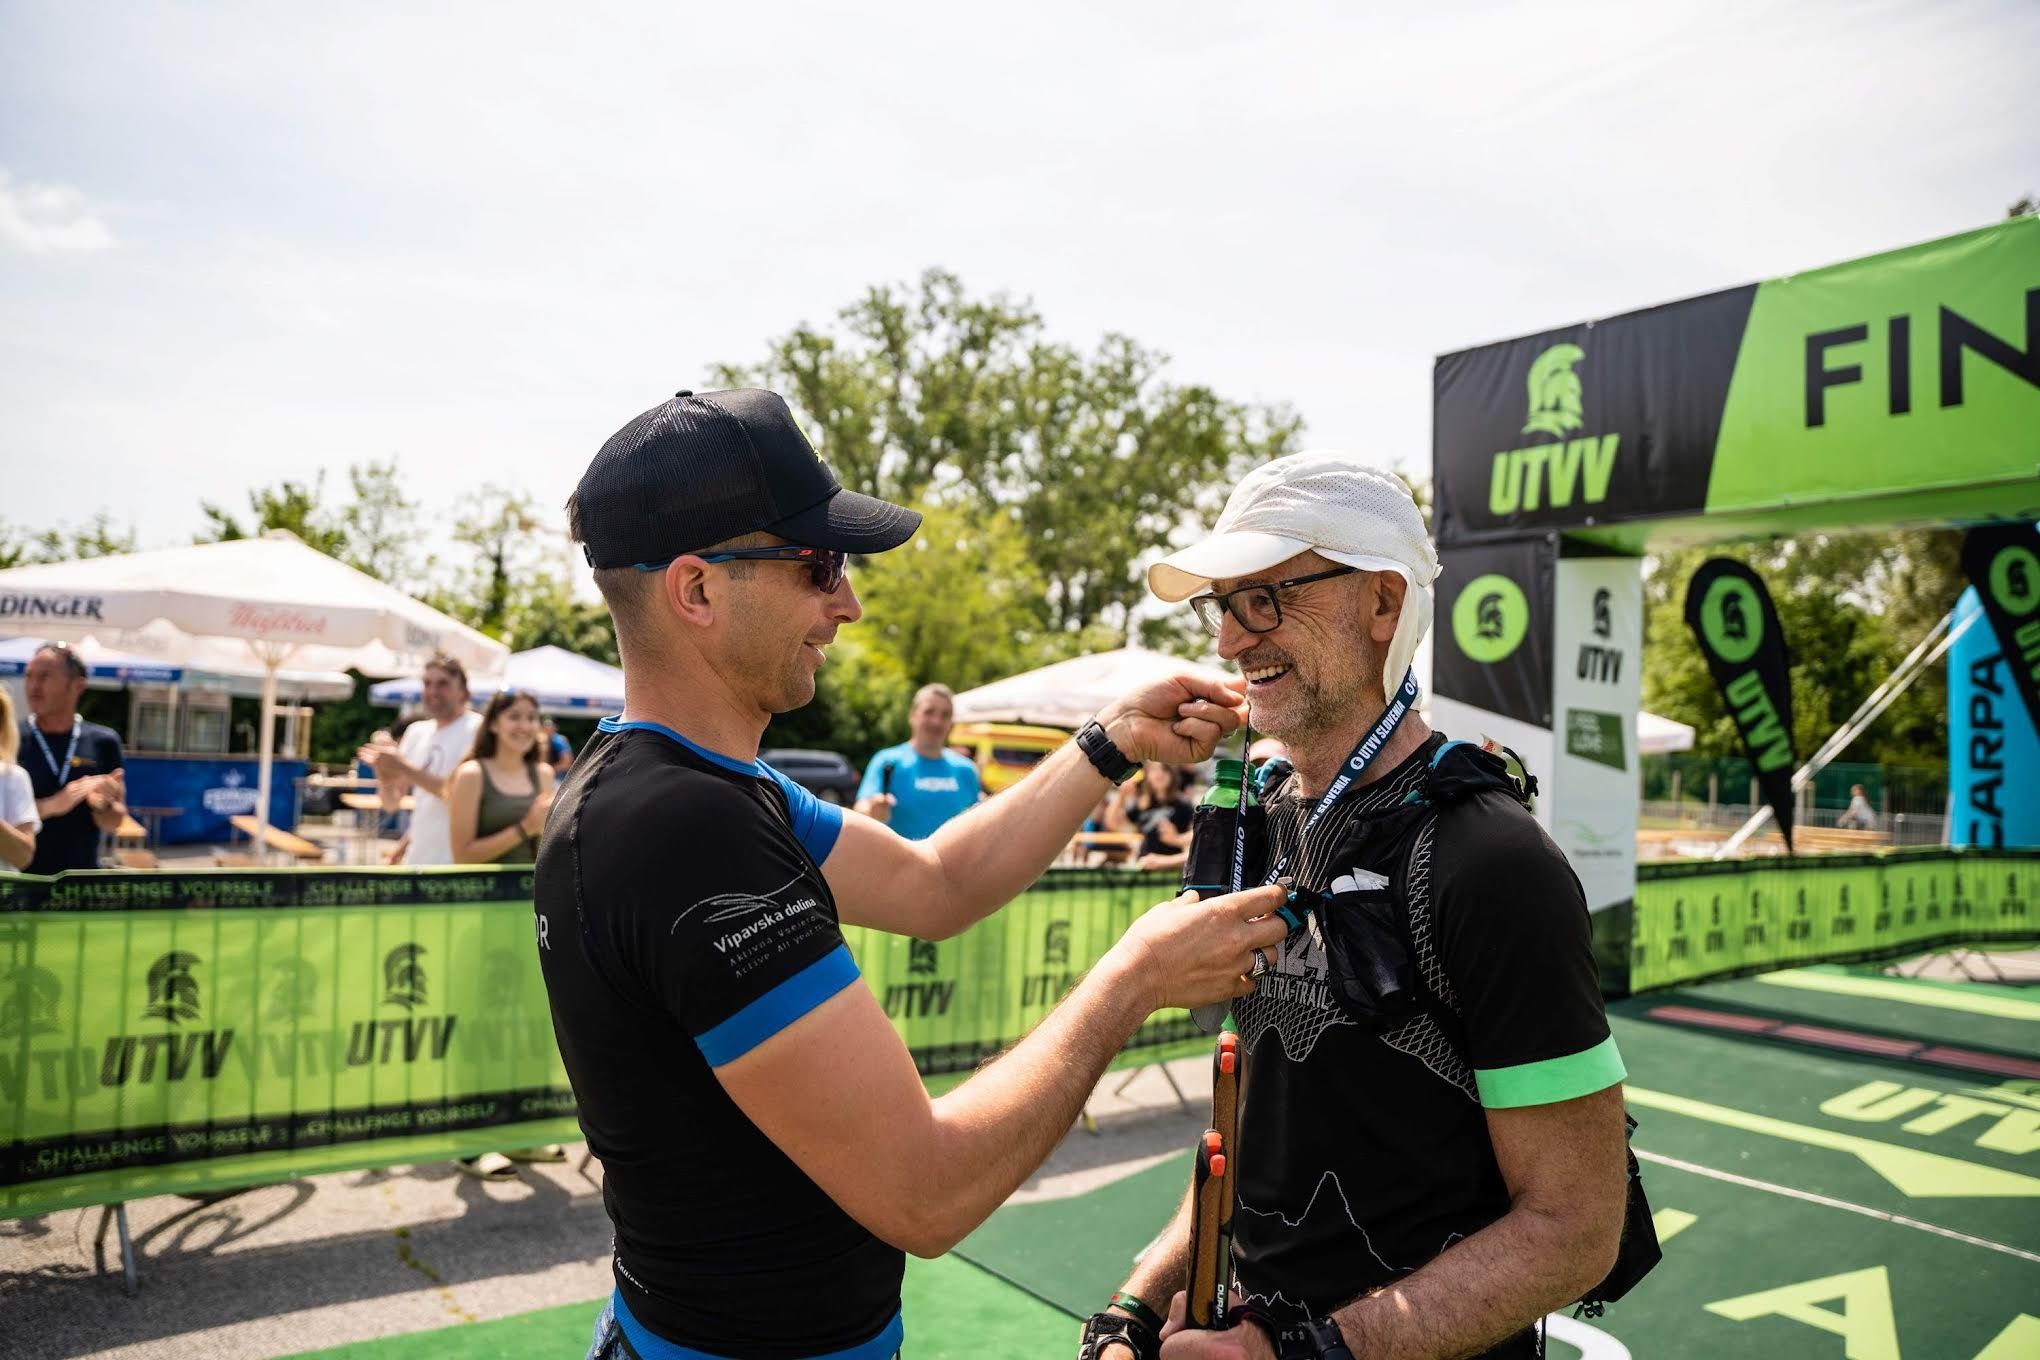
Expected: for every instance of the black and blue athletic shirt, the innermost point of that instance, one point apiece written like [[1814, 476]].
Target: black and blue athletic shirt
[[682, 921]]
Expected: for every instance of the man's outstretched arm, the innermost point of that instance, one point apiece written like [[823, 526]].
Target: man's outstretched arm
[[984, 858], [837, 1091]]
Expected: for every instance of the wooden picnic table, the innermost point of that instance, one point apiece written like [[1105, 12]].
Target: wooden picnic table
[[276, 838], [369, 802]]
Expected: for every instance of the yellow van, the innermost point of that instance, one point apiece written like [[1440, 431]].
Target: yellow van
[[1004, 752]]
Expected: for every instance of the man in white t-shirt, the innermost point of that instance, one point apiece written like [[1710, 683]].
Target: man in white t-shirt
[[424, 761]]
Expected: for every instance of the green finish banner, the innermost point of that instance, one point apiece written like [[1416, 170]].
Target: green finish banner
[[1904, 385], [1704, 919], [166, 1032]]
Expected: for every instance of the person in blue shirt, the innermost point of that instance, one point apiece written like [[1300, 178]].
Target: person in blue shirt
[[920, 784]]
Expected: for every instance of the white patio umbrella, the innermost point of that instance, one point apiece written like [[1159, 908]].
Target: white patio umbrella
[[271, 600], [108, 669], [1067, 693], [564, 682]]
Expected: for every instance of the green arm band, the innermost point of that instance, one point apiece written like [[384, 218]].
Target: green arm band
[[1553, 1080]]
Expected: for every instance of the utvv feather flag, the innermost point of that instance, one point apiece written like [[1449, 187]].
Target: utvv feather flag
[[2003, 560], [1731, 614]]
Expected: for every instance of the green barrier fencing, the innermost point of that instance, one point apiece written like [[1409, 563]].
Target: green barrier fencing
[[1693, 920], [190, 1032], [201, 1031]]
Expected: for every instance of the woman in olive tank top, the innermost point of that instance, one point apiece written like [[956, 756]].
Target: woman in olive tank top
[[498, 797], [497, 801]]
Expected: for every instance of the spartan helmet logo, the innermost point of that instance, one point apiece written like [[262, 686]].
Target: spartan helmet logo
[[1556, 407], [1055, 945], [2019, 575], [173, 991], [293, 992], [920, 956], [502, 976], [28, 1001], [1604, 623], [1735, 624], [404, 976], [1488, 615]]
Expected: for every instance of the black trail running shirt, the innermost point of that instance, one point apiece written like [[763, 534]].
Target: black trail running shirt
[[683, 920], [1364, 1156]]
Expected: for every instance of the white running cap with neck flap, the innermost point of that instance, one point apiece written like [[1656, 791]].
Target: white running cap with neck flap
[[1329, 502]]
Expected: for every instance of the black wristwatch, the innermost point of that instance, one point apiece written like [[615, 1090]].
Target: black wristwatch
[[1101, 1328], [1105, 757], [1314, 1339]]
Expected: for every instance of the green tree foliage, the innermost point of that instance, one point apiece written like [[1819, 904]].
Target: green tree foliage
[[289, 505], [372, 531], [1049, 476], [924, 393], [97, 537], [1851, 607]]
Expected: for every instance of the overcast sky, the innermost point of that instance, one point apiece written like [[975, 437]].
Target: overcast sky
[[245, 241]]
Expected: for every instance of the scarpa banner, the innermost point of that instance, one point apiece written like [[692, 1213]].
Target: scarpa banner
[[1906, 384], [1716, 918], [166, 1032], [1730, 612], [1993, 750], [2003, 561]]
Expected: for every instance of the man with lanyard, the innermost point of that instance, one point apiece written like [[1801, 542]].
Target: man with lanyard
[[918, 785], [74, 765], [1433, 1188], [768, 1147]]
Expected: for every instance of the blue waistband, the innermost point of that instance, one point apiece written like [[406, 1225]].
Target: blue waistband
[[651, 1347]]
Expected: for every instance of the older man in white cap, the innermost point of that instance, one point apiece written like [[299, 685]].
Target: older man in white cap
[[1431, 1142]]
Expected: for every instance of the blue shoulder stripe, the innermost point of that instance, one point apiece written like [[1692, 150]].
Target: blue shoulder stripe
[[778, 1008]]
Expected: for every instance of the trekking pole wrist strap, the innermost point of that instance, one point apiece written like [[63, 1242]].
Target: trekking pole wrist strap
[[1102, 1329]]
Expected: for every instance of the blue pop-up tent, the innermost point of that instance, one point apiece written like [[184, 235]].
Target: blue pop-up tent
[[565, 683]]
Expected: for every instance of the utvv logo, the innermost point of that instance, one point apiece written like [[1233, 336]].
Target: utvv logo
[[910, 999], [173, 996], [404, 976], [406, 1040], [28, 1001], [173, 991], [1558, 473], [1490, 618]]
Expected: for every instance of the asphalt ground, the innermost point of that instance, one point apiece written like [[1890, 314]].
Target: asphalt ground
[[1855, 1186]]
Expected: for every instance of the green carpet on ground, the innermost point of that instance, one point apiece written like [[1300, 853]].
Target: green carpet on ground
[[954, 1312]]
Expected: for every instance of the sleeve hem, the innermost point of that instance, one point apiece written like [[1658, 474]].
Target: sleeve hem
[[778, 1008], [1553, 1080]]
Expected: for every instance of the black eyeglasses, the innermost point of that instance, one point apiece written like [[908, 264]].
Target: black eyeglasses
[[1257, 608], [826, 566]]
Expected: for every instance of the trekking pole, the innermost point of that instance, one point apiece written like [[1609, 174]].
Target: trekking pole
[[1214, 1192]]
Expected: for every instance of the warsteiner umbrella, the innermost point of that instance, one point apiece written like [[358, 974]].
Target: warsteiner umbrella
[[271, 600]]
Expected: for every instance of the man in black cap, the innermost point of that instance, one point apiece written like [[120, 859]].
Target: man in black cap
[[769, 1149]]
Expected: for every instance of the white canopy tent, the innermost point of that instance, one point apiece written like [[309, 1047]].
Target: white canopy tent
[[565, 683], [1067, 693], [271, 602], [1656, 736]]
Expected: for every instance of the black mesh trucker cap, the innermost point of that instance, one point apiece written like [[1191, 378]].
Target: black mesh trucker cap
[[705, 467]]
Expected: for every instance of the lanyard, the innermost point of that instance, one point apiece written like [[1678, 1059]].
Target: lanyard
[[1363, 756], [63, 771]]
